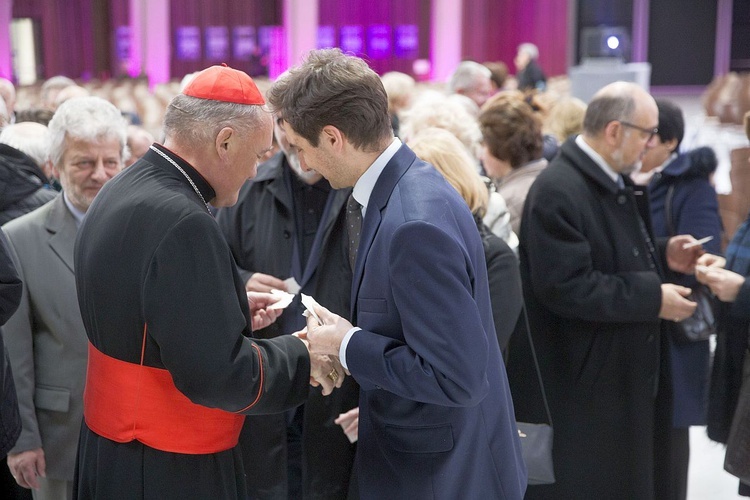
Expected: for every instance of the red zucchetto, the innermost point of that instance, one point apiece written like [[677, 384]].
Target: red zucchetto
[[222, 83]]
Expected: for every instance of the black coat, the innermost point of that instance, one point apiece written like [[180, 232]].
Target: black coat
[[10, 296], [23, 185], [592, 288], [261, 231], [149, 253], [504, 279]]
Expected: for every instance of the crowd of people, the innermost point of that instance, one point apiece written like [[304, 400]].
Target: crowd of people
[[318, 288]]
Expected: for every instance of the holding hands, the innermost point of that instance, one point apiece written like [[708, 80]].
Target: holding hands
[[723, 283], [323, 342], [683, 252], [326, 338], [325, 371]]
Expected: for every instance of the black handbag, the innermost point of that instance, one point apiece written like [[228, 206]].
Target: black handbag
[[702, 324], [536, 439]]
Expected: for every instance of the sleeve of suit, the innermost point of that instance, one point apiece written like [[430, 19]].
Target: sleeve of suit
[[19, 341], [199, 329], [443, 356], [570, 286]]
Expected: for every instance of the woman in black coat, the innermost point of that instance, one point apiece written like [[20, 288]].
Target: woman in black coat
[[444, 151], [683, 201]]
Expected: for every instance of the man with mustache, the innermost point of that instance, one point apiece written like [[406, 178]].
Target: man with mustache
[[45, 338], [290, 223], [594, 287]]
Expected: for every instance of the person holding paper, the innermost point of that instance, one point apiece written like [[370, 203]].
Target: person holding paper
[[683, 201], [436, 418], [173, 367], [593, 279], [287, 232]]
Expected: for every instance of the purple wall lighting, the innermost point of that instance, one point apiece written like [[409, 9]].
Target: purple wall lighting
[[188, 43], [379, 41], [217, 43], [243, 40], [351, 39], [326, 37], [407, 41]]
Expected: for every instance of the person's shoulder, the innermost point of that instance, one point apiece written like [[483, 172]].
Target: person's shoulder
[[32, 219]]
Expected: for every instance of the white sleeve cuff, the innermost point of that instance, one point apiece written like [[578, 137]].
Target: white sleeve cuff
[[344, 343]]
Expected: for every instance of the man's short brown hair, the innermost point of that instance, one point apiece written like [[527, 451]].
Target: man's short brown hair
[[332, 88]]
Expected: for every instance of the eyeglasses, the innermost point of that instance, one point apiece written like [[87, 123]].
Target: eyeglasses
[[650, 131]]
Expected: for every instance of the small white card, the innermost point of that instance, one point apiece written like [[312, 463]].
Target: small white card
[[309, 304], [284, 299]]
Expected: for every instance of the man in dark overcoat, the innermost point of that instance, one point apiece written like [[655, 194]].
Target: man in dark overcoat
[[290, 223], [593, 284]]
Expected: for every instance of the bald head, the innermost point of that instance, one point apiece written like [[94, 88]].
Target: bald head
[[620, 124], [70, 92], [50, 89], [8, 93], [617, 101], [139, 141]]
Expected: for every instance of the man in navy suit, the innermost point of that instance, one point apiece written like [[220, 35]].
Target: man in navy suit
[[436, 416]]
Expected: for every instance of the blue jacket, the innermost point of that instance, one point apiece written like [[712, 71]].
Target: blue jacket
[[436, 417], [694, 211]]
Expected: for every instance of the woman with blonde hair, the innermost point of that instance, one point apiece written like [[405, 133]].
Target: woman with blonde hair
[[446, 153]]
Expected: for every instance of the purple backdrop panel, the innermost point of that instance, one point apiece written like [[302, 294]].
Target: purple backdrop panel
[[407, 41], [326, 37], [351, 39], [188, 43], [243, 38], [122, 43], [217, 43], [379, 41]]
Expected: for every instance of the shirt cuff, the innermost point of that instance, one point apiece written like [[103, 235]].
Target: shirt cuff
[[344, 343]]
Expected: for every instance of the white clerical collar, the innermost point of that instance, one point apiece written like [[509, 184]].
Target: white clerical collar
[[365, 184], [598, 159], [77, 214]]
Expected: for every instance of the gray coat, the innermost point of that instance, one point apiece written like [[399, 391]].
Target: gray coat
[[45, 338]]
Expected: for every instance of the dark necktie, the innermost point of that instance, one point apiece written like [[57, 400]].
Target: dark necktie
[[353, 227]]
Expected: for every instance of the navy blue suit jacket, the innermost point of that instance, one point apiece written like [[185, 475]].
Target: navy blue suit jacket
[[436, 416]]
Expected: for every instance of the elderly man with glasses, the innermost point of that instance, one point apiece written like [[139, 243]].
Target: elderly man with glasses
[[594, 287]]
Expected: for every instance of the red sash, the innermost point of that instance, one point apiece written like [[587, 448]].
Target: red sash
[[124, 402]]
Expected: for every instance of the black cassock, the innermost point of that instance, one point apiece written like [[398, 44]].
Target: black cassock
[[150, 252]]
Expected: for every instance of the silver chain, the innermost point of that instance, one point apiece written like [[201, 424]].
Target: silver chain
[[170, 160]]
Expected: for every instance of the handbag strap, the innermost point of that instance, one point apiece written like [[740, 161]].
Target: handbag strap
[[668, 210], [536, 365]]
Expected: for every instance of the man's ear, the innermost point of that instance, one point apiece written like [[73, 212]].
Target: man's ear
[[613, 132], [333, 137], [671, 145], [222, 141]]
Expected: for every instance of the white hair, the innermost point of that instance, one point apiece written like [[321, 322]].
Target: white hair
[[434, 109], [30, 138], [529, 49], [85, 118], [466, 74]]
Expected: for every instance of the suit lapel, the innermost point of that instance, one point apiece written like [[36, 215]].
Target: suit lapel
[[381, 193], [62, 229]]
